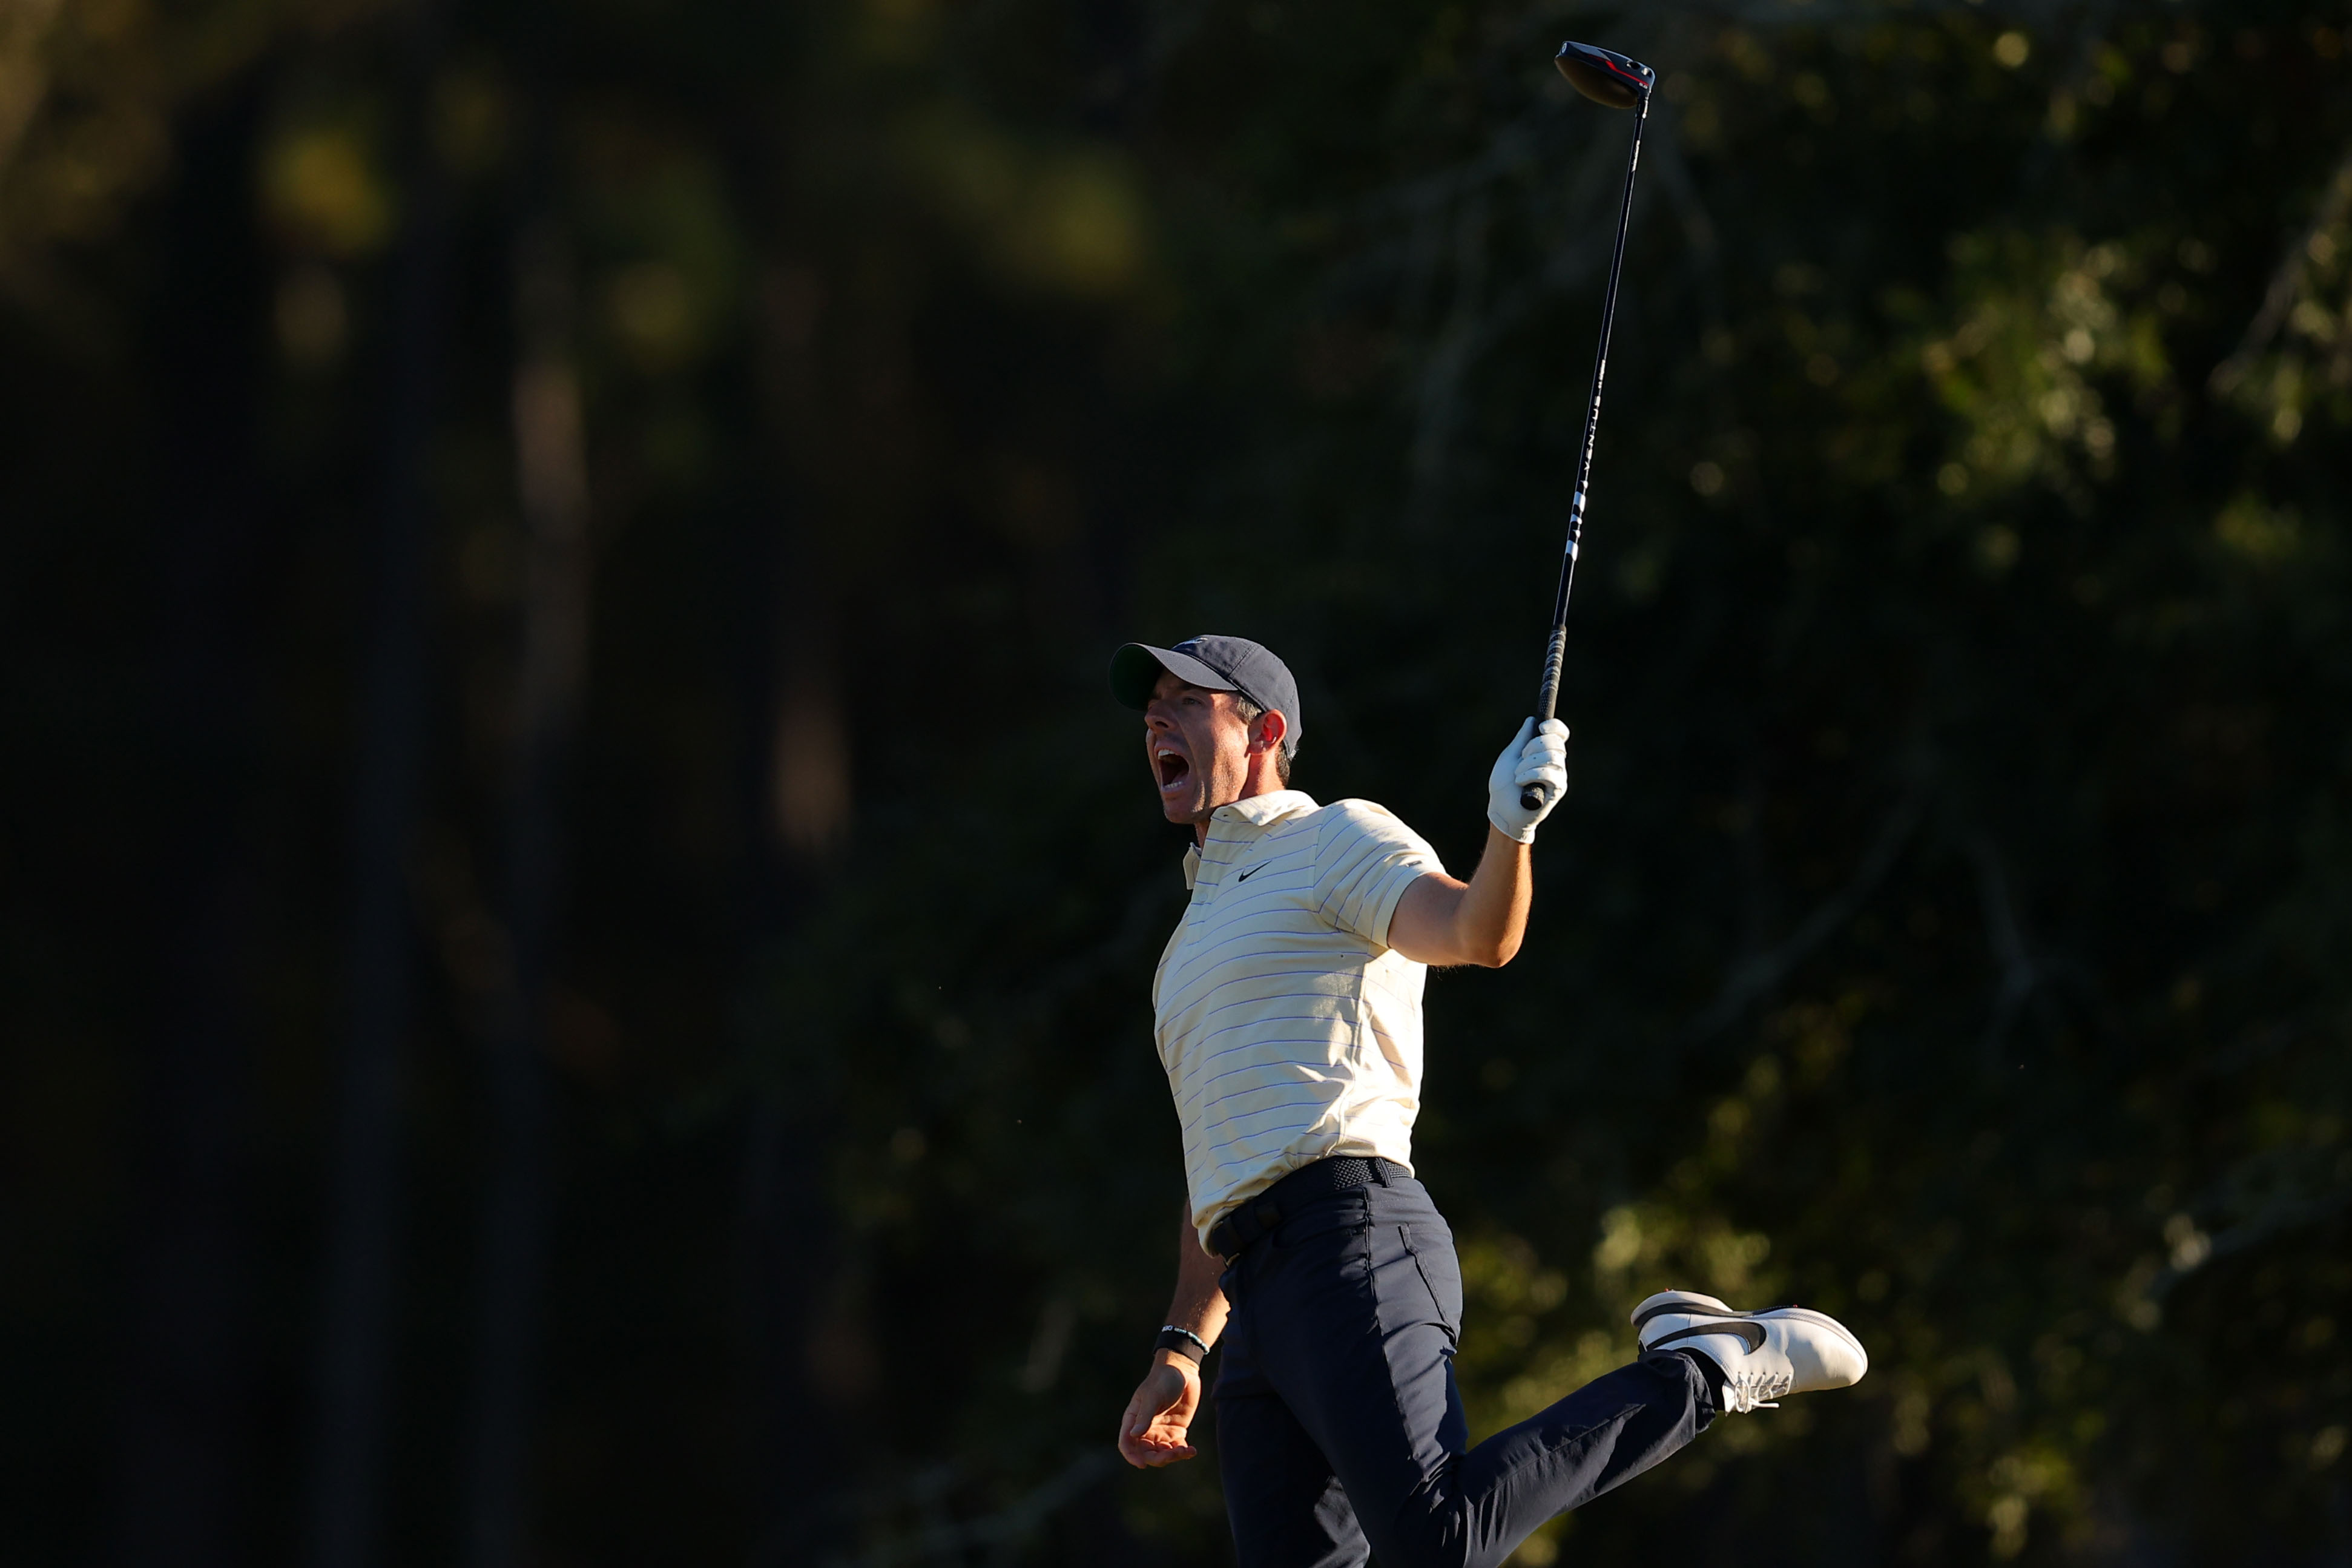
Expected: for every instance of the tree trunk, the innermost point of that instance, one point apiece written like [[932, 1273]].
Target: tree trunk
[[551, 476], [188, 1367], [356, 1333], [799, 795]]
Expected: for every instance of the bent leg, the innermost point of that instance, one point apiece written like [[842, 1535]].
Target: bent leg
[[1598, 1437], [1360, 1348]]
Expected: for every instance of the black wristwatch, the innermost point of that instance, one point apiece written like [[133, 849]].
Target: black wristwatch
[[1184, 1343]]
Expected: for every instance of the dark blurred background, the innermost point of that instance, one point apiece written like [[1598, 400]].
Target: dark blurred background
[[577, 916]]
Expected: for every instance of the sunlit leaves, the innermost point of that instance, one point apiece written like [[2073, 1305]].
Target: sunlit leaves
[[323, 185], [2295, 359], [2041, 327]]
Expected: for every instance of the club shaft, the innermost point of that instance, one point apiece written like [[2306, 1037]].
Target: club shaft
[[1548, 698]]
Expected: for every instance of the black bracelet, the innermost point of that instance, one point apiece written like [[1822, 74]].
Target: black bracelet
[[1184, 1343]]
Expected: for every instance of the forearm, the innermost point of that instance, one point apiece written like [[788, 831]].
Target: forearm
[[1442, 922], [1199, 1306], [1492, 920]]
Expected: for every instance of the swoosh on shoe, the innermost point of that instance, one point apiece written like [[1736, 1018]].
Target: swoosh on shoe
[[1751, 1333], [1689, 1301], [1691, 1307]]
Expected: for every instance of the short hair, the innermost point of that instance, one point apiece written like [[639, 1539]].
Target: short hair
[[1250, 712]]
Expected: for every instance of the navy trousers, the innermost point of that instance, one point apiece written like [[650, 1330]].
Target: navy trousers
[[1339, 1429]]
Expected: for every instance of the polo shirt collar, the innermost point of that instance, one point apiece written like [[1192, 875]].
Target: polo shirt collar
[[1264, 810], [1258, 811]]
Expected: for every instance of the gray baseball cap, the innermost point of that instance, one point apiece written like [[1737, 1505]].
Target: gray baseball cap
[[1214, 664]]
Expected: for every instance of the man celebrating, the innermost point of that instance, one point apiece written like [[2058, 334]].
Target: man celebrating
[[1288, 1008]]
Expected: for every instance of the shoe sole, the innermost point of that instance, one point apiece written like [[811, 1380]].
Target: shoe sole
[[1691, 1301]]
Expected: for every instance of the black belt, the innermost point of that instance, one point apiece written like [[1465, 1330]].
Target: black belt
[[1232, 1235]]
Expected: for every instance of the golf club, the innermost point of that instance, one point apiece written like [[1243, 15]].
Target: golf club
[[1609, 79]]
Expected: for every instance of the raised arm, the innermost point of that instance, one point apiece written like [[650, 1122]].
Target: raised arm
[[1442, 922], [1159, 1417]]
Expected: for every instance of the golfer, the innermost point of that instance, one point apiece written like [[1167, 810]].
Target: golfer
[[1288, 1008]]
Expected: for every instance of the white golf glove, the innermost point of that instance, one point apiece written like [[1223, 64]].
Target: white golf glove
[[1533, 757]]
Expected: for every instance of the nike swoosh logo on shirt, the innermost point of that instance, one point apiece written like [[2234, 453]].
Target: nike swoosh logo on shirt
[[1753, 1333], [1253, 871]]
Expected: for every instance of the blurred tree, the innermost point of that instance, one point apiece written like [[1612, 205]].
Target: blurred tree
[[551, 484], [357, 1338], [186, 1422]]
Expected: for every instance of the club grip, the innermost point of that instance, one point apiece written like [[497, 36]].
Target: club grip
[[1548, 694], [1535, 796], [1532, 797]]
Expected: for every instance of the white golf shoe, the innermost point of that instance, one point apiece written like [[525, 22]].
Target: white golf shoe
[[1762, 1355]]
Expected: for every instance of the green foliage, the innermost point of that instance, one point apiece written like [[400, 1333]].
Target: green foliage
[[1946, 927], [1952, 679]]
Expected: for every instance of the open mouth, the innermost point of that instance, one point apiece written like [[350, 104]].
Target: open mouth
[[1174, 768]]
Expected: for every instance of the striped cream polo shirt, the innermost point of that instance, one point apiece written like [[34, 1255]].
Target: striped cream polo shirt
[[1290, 1028]]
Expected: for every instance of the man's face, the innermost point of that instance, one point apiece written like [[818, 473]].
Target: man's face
[[1198, 747]]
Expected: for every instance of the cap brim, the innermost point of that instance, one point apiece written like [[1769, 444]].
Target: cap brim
[[1135, 669]]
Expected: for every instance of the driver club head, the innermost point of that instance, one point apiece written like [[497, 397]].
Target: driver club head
[[1604, 76]]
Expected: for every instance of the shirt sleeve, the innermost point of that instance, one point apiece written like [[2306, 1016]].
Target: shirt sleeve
[[1364, 860]]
